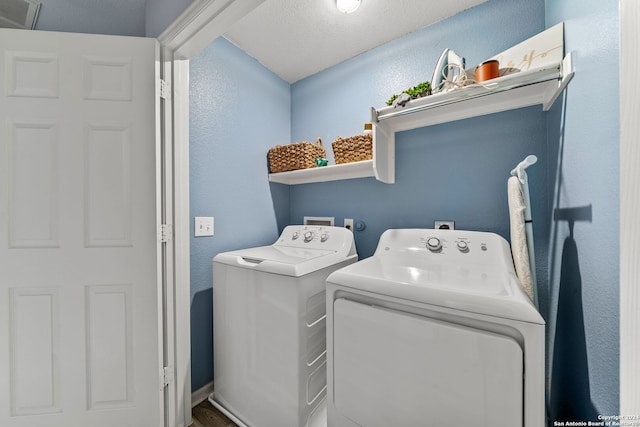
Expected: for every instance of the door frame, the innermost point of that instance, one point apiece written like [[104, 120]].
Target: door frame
[[629, 14], [205, 20], [201, 23]]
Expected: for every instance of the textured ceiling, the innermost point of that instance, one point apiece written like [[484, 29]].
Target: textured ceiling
[[298, 38]]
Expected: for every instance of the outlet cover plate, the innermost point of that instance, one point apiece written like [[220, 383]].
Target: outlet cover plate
[[444, 225]]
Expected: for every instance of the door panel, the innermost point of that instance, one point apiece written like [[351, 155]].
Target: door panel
[[80, 337], [33, 215]]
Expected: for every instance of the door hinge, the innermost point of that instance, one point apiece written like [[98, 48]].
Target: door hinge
[[165, 89], [165, 233], [166, 376]]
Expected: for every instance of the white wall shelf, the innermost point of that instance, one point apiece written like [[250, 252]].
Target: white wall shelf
[[382, 167], [541, 86], [326, 173]]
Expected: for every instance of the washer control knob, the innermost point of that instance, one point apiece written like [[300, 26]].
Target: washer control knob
[[462, 246], [295, 235], [434, 244], [324, 237], [308, 236]]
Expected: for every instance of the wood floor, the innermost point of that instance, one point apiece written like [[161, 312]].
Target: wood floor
[[205, 415]]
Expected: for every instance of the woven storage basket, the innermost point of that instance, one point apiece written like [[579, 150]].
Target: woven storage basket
[[299, 155], [353, 149]]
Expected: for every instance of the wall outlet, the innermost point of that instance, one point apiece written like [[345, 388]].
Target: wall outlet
[[348, 223], [444, 225], [203, 226]]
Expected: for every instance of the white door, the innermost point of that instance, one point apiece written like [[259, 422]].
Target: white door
[[80, 324]]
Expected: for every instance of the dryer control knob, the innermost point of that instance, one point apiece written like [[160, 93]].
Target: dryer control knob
[[434, 244], [295, 235], [462, 246], [324, 237], [308, 236]]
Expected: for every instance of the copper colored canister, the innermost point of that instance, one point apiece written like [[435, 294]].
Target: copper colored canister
[[487, 70]]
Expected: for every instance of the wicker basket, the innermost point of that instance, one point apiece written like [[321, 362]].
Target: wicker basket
[[353, 149], [299, 155]]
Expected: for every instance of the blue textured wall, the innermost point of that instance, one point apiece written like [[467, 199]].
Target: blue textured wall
[[143, 18], [159, 14], [457, 171], [584, 343], [116, 17], [238, 111], [452, 171]]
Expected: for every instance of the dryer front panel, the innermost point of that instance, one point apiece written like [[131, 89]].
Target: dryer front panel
[[397, 368]]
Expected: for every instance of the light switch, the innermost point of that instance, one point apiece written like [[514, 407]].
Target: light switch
[[203, 226]]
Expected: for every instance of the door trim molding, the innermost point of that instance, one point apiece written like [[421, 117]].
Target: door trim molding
[[201, 23], [629, 14]]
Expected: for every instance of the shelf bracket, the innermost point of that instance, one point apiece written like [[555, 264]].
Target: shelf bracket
[[566, 73], [374, 116]]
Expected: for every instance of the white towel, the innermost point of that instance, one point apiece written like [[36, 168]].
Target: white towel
[[518, 236]]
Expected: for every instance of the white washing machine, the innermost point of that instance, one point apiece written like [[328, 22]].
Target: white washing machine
[[269, 325], [434, 330]]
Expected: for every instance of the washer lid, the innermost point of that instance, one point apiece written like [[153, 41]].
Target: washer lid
[[279, 254], [293, 255]]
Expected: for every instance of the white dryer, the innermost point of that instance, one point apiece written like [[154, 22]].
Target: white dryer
[[269, 325], [434, 330]]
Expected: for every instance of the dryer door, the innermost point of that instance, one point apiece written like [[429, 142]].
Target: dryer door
[[396, 368]]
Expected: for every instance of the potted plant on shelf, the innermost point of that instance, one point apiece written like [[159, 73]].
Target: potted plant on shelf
[[418, 91]]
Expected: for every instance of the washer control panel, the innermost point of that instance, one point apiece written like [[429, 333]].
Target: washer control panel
[[315, 237]]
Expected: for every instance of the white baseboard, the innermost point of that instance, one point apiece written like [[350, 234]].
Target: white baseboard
[[201, 394]]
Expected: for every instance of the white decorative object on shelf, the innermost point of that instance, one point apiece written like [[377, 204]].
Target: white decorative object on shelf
[[541, 50]]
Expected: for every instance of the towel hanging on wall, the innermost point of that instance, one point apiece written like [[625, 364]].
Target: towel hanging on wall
[[519, 247]]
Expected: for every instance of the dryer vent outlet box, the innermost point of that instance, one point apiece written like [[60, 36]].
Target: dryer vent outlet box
[[21, 14]]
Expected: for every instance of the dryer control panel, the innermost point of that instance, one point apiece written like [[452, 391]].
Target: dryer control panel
[[463, 244], [446, 245]]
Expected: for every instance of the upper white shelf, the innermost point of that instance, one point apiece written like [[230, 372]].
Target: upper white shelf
[[523, 89]]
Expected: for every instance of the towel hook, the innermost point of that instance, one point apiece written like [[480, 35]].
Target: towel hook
[[519, 170]]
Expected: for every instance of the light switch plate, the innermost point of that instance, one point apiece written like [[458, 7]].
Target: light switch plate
[[203, 226]]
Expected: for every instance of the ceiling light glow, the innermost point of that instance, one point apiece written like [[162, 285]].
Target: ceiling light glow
[[347, 6]]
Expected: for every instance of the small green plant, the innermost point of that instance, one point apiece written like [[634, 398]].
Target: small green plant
[[393, 98], [418, 91]]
